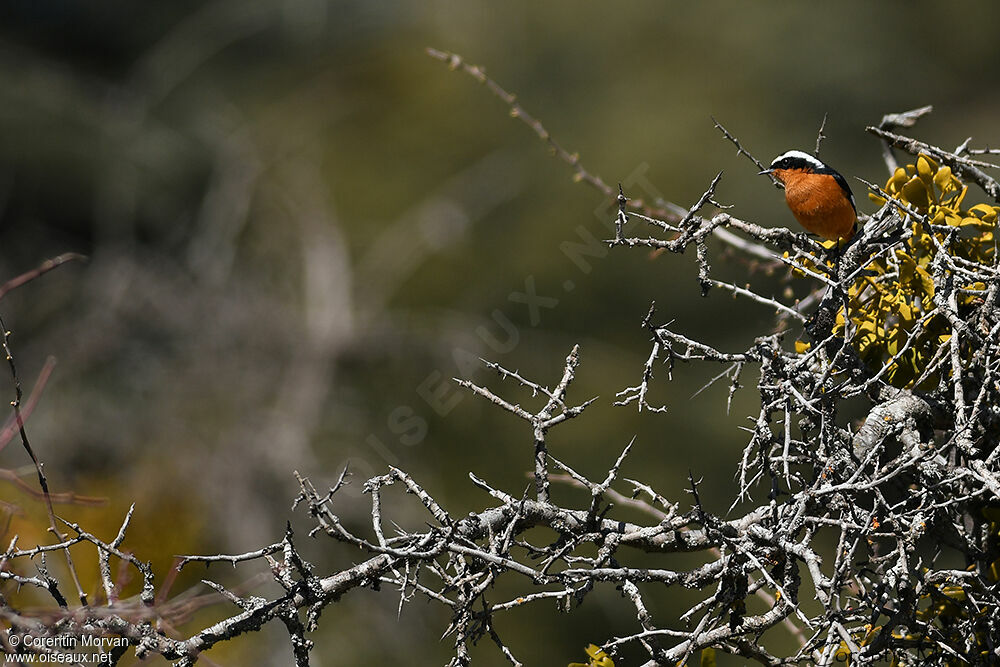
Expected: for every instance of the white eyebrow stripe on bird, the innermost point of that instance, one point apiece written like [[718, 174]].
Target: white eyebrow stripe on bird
[[809, 159]]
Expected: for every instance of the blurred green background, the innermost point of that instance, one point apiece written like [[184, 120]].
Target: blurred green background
[[298, 224]]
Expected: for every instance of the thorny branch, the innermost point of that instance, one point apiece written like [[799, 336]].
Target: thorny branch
[[880, 540], [580, 174]]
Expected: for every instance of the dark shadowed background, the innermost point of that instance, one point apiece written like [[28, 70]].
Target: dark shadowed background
[[301, 227]]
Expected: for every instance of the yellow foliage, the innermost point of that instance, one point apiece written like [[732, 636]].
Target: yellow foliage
[[598, 658], [890, 303], [843, 653]]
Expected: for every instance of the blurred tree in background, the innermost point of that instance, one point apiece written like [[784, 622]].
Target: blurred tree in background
[[300, 228]]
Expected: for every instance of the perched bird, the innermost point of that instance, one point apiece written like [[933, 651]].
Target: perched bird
[[819, 197]]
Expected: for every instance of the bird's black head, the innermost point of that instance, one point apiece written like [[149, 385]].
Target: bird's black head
[[799, 163], [797, 160]]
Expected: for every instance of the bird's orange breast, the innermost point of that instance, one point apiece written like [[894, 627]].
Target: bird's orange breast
[[819, 203]]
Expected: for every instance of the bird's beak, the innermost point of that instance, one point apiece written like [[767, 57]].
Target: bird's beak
[[766, 171]]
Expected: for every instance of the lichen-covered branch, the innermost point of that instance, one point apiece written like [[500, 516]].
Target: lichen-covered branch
[[871, 539]]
